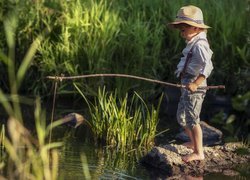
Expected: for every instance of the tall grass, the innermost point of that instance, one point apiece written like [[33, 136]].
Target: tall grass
[[25, 155], [30, 157], [229, 43], [116, 36], [122, 123], [131, 37], [99, 36], [2, 137]]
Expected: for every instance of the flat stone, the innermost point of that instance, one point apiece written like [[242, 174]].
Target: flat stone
[[220, 158]]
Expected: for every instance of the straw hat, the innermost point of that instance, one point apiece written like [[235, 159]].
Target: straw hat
[[190, 15]]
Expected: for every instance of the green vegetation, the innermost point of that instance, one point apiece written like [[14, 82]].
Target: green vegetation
[[28, 156], [130, 37], [122, 123], [44, 37], [23, 156], [236, 124]]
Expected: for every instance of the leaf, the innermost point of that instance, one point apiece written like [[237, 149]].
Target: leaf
[[27, 59], [240, 102], [231, 119]]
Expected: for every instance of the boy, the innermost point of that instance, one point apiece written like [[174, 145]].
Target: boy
[[194, 68]]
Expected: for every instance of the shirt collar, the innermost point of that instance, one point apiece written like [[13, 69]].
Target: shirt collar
[[198, 36]]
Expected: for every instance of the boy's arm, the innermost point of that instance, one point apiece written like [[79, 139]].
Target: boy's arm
[[194, 85]]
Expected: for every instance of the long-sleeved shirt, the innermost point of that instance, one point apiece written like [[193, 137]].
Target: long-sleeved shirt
[[200, 62]]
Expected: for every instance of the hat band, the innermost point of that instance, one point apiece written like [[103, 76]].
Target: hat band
[[190, 19]]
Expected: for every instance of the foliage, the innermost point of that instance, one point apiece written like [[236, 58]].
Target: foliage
[[130, 37], [35, 159], [44, 37], [122, 123], [22, 155], [236, 124]]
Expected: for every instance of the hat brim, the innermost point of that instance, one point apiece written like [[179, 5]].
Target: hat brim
[[191, 23]]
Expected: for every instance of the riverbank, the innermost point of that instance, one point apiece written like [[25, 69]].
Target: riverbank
[[218, 159]]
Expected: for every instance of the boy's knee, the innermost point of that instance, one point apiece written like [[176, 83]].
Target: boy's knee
[[192, 121]]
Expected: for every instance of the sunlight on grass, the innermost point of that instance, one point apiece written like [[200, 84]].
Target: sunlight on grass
[[122, 123]]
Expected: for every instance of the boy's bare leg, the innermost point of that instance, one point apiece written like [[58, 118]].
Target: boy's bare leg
[[198, 153], [189, 144]]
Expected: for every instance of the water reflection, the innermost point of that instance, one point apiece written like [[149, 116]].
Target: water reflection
[[102, 163], [105, 164]]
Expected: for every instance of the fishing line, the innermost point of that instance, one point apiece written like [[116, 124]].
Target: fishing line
[[53, 109]]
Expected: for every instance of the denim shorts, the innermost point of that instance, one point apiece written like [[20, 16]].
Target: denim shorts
[[189, 106]]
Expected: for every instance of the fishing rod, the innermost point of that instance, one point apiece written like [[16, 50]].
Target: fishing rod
[[61, 78]]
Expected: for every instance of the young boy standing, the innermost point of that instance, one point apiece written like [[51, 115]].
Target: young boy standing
[[194, 68]]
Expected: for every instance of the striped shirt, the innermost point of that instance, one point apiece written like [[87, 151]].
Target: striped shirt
[[200, 62]]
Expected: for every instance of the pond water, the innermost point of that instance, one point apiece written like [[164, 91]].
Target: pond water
[[103, 163]]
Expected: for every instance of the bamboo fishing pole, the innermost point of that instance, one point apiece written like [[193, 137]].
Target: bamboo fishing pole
[[61, 78]]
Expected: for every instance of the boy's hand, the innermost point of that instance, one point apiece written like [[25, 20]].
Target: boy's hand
[[192, 87]]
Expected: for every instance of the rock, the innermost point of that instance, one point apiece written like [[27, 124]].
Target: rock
[[73, 120], [220, 158], [211, 135]]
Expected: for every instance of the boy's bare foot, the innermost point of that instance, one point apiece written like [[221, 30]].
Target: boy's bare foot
[[193, 157], [188, 145]]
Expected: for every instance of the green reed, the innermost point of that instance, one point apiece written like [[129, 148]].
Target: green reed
[[131, 37], [85, 167], [30, 157], [2, 137], [122, 123], [99, 36], [96, 36], [27, 156]]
